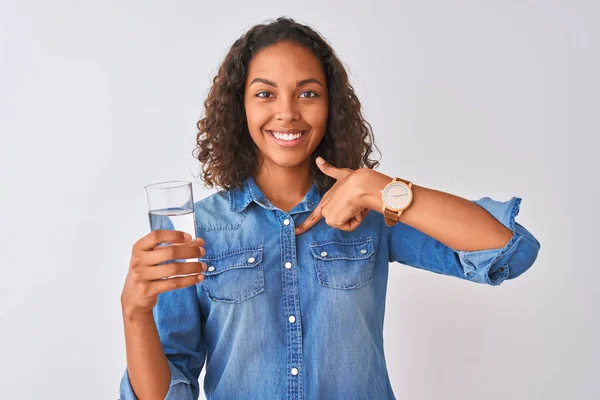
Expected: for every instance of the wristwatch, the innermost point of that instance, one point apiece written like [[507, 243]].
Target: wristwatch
[[397, 196]]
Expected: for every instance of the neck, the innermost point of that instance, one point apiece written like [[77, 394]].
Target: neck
[[284, 187]]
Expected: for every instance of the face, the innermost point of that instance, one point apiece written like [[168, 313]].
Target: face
[[286, 104]]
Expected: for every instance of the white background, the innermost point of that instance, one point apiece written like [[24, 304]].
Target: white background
[[495, 98]]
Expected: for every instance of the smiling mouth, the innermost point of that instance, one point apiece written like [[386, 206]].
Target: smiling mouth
[[288, 137]]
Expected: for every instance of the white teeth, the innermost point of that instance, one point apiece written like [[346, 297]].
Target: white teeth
[[287, 136]]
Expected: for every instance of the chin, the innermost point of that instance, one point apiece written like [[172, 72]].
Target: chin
[[284, 160]]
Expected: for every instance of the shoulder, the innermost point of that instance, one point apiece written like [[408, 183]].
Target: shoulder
[[213, 213], [218, 199]]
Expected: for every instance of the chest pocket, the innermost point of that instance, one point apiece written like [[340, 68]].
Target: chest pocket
[[236, 276], [344, 263]]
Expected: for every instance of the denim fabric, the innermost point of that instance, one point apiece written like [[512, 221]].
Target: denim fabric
[[286, 317]]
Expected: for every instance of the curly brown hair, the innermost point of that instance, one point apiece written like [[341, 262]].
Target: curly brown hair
[[224, 146]]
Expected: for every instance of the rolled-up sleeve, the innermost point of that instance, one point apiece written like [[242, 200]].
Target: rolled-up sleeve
[[179, 323], [412, 247], [179, 388]]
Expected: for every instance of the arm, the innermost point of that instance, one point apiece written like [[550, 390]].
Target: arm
[[473, 240], [148, 368], [165, 350], [457, 222]]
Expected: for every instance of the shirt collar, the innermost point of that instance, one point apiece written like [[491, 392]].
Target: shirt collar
[[239, 199]]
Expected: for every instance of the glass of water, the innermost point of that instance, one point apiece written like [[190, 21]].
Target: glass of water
[[171, 207]]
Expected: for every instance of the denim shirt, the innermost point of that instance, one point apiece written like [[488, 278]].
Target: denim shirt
[[280, 316]]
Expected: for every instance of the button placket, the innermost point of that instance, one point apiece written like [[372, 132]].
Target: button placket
[[291, 301]]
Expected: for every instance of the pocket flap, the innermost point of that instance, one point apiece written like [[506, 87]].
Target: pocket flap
[[244, 258], [353, 249]]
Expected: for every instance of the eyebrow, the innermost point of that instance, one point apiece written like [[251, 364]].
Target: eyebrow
[[298, 84]]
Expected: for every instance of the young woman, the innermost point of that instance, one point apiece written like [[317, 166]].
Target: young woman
[[289, 299]]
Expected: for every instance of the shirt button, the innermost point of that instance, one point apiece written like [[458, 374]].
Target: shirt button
[[363, 251], [292, 319], [286, 221], [294, 371], [288, 265], [323, 254], [501, 269], [211, 268], [251, 260]]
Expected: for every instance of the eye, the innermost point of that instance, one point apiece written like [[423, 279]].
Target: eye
[[259, 94], [314, 94]]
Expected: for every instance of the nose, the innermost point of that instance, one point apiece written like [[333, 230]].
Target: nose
[[287, 111]]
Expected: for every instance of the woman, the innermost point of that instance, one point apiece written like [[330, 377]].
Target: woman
[[289, 299]]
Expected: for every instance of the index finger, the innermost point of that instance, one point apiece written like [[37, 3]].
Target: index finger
[[309, 222], [154, 238]]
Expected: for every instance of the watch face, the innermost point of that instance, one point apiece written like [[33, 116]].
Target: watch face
[[396, 196]]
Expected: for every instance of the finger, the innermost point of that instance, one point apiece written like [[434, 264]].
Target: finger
[[172, 252], [152, 239], [365, 212], [330, 170], [362, 214], [351, 223], [196, 242], [153, 273], [164, 285], [312, 219], [358, 217], [339, 213]]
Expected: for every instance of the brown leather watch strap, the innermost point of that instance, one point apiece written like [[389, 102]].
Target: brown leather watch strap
[[391, 217]]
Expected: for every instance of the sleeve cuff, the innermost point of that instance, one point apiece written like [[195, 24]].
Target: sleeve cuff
[[490, 266], [179, 388]]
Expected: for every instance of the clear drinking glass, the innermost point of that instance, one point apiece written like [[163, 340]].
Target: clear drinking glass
[[171, 207]]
